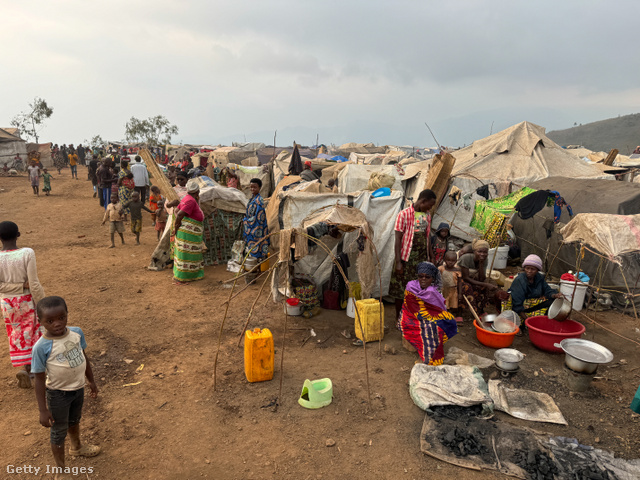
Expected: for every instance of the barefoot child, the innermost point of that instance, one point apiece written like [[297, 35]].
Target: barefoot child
[[439, 244], [161, 218], [46, 177], [451, 284], [136, 206], [154, 198], [113, 213], [34, 177], [60, 366]]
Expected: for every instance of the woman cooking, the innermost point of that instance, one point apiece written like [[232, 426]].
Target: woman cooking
[[531, 295], [426, 324], [474, 276], [188, 264]]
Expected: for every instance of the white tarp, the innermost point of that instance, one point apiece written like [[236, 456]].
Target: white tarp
[[380, 213], [354, 178]]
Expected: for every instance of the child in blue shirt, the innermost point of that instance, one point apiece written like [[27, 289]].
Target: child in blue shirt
[[60, 367]]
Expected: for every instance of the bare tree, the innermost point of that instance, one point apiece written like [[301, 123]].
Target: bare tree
[[30, 123]]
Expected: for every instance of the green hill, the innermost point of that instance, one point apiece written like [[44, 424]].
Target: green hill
[[622, 133]]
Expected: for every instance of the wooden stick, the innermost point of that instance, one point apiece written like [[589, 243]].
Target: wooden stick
[[159, 178], [473, 310], [284, 338], [247, 285], [254, 304]]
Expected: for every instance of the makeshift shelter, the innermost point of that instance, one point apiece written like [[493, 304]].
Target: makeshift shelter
[[353, 178], [585, 197], [294, 208], [245, 174], [502, 163], [377, 158], [11, 145], [43, 151]]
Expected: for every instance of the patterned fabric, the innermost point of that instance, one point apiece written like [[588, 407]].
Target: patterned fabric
[[46, 177], [440, 247], [419, 253], [425, 323], [528, 303], [188, 265], [255, 227], [136, 226], [22, 326], [405, 223], [485, 210], [477, 296], [495, 233], [124, 192]]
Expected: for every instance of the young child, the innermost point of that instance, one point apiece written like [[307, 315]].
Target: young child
[[439, 244], [451, 280], [114, 213], [135, 205], [154, 198], [46, 177], [128, 186], [114, 185], [171, 175], [34, 177], [60, 367], [161, 218]]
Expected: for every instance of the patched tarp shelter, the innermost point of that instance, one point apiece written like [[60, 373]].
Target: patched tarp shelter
[[11, 145], [44, 149], [505, 162], [585, 197]]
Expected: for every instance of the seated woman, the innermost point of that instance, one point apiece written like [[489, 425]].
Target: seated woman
[[474, 277], [425, 322], [531, 295]]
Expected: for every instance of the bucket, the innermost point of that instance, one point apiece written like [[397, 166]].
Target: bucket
[[566, 288], [293, 307], [501, 254]]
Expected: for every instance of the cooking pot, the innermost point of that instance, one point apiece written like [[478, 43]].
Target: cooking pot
[[559, 309], [583, 356], [508, 359]]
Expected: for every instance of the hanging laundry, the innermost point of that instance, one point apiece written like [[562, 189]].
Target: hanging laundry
[[483, 191], [557, 207], [528, 206]]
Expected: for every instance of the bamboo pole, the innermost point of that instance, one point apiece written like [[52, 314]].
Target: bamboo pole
[[254, 305], [159, 178]]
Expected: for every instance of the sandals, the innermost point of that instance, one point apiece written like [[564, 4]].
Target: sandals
[[85, 451]]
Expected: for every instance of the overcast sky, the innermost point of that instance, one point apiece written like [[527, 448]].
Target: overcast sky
[[347, 70]]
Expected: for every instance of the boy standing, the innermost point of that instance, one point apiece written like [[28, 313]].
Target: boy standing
[[135, 205], [60, 367], [113, 213]]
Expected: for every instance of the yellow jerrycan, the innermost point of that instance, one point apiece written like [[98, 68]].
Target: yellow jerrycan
[[258, 355], [369, 312]]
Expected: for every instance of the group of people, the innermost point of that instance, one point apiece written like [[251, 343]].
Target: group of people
[[430, 281]]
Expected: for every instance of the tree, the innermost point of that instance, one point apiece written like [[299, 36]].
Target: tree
[[154, 131], [29, 123], [96, 141]]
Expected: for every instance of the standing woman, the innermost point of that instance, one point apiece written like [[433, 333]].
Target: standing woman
[[413, 229], [124, 193], [254, 223], [20, 290], [188, 264]]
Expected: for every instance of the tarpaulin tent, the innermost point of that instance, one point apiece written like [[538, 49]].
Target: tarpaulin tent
[[11, 145], [507, 161], [584, 196]]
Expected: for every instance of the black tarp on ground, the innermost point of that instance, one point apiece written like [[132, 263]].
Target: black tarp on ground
[[584, 196]]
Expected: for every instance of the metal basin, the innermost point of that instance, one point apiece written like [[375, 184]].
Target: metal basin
[[508, 359], [584, 356]]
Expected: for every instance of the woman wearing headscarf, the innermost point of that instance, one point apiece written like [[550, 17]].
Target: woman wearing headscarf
[[474, 276], [531, 295], [188, 264], [20, 290], [425, 323]]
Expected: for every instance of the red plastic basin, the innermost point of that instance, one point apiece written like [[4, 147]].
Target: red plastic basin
[[544, 332]]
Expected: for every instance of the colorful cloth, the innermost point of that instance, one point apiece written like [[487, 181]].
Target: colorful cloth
[[406, 223], [255, 227], [46, 177], [125, 191], [425, 323], [419, 253], [528, 303], [221, 229], [485, 210], [188, 265], [190, 207], [136, 226], [23, 328]]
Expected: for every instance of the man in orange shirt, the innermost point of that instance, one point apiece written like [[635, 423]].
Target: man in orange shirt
[[73, 163]]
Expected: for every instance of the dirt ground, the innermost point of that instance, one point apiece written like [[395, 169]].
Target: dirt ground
[[171, 425]]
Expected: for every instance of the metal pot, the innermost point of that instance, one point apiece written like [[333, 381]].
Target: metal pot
[[583, 356], [559, 309], [508, 359]]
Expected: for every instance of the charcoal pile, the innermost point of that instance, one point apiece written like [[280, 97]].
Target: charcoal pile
[[455, 412], [592, 472], [462, 443], [537, 464]]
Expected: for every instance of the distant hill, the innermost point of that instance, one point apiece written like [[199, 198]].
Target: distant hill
[[622, 133]]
